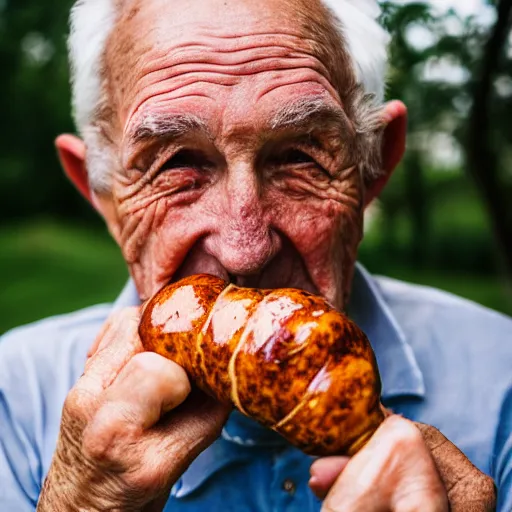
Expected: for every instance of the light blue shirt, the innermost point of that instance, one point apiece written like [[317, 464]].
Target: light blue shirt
[[443, 361]]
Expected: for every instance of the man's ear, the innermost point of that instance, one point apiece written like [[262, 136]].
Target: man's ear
[[393, 146], [71, 152]]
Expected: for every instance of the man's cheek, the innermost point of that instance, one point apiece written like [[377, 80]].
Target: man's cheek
[[313, 223], [311, 230], [135, 230], [326, 234], [155, 239]]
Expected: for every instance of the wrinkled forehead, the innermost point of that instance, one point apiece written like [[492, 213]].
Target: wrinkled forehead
[[149, 32], [163, 22]]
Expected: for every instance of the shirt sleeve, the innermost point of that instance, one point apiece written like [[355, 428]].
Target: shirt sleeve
[[39, 364], [19, 459], [503, 453]]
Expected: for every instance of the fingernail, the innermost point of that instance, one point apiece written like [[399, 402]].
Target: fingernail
[[312, 470]]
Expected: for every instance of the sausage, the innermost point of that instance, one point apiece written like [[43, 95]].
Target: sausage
[[285, 358]]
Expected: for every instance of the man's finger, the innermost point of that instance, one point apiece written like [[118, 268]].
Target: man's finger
[[324, 473], [146, 388], [150, 386], [104, 328], [394, 471], [468, 488], [185, 433], [118, 343]]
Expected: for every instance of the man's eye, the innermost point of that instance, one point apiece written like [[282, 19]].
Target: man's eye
[[294, 157], [186, 159]]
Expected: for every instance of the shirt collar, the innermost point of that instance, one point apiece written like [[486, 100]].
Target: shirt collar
[[399, 371], [128, 297]]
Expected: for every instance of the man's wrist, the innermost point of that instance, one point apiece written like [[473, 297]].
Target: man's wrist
[[61, 493], [50, 499]]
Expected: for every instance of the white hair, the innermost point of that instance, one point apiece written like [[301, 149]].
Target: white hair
[[90, 25], [366, 40], [92, 21]]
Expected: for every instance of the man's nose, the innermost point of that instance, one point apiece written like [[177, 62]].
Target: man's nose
[[244, 241]]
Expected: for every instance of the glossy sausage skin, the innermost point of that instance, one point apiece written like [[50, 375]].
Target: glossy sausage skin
[[284, 357]]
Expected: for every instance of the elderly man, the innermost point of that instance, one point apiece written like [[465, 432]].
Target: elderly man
[[243, 139]]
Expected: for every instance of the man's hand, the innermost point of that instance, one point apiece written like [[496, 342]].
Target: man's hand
[[120, 447], [404, 468]]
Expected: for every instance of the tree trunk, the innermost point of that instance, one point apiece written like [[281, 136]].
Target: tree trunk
[[419, 218], [482, 161]]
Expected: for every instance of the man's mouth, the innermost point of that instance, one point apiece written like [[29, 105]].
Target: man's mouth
[[285, 270]]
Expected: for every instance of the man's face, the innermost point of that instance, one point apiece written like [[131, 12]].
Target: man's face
[[235, 149]]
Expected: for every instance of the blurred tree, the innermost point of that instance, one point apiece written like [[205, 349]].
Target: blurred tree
[[34, 101], [442, 75], [428, 103], [484, 141]]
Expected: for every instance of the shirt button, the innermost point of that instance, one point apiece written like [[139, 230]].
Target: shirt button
[[289, 486]]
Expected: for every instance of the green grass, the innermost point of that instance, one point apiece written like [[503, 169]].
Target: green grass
[[50, 268]]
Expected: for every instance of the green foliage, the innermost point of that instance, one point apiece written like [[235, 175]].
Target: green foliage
[[34, 101], [438, 105]]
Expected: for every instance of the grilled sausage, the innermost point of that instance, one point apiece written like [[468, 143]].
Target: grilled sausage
[[283, 357]]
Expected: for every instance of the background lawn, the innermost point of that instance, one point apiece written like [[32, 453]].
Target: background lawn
[[51, 268]]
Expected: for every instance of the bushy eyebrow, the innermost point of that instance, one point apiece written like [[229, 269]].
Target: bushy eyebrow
[[308, 112], [304, 113], [171, 126]]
